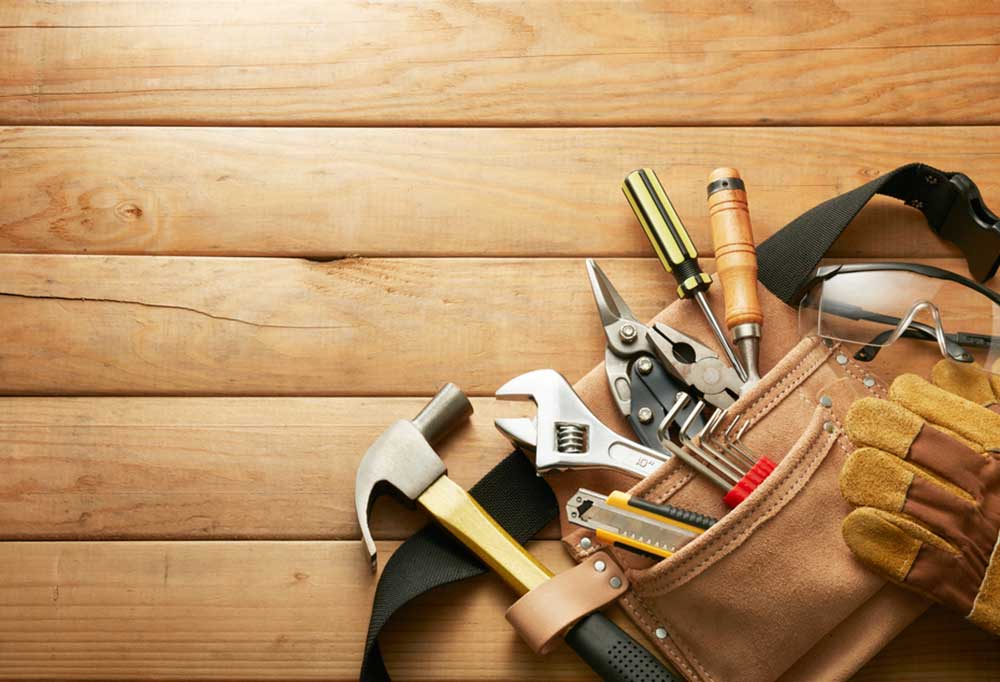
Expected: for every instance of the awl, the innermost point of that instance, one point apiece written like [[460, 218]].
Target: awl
[[736, 264]]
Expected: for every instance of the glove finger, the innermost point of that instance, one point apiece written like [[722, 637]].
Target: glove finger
[[883, 425], [873, 478], [969, 381], [908, 554], [944, 409], [890, 427]]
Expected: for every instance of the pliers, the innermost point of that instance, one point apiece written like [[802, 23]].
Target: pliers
[[647, 367]]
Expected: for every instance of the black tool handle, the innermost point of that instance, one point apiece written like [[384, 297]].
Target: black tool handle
[[615, 656]]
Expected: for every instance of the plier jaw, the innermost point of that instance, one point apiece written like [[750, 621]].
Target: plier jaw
[[697, 365]]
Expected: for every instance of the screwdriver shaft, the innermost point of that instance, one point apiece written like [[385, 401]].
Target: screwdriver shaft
[[727, 347]]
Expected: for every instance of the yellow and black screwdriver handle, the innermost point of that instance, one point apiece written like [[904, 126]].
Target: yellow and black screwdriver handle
[[665, 231]]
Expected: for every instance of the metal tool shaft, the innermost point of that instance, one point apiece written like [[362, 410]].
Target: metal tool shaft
[[727, 348]]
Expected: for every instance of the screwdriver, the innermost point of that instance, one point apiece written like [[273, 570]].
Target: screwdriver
[[674, 248], [736, 263]]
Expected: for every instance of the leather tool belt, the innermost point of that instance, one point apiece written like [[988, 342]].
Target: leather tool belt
[[770, 592]]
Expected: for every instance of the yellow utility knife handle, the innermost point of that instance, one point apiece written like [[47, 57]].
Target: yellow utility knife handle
[[665, 231], [610, 538], [684, 519]]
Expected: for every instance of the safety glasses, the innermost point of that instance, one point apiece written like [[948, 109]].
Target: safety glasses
[[875, 304]]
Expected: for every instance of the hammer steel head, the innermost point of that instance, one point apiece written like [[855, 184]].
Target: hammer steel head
[[402, 460]]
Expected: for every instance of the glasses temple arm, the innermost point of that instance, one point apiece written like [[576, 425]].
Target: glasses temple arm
[[955, 343]]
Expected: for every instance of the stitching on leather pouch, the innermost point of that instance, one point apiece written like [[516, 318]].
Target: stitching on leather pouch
[[788, 383], [658, 494], [784, 379], [686, 651], [667, 645], [754, 518]]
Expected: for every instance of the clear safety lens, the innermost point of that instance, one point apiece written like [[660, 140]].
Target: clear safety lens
[[875, 308]]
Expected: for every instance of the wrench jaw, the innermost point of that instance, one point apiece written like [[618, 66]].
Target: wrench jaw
[[521, 431], [533, 385], [557, 435]]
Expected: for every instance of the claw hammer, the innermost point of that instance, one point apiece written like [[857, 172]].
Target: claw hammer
[[403, 461]]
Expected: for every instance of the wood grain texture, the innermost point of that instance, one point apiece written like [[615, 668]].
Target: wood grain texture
[[224, 326], [445, 192], [434, 62], [169, 610], [213, 468], [78, 325]]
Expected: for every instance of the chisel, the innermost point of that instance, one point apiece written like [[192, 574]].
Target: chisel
[[674, 248], [736, 264]]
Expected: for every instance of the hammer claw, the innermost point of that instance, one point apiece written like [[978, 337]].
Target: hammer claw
[[402, 460]]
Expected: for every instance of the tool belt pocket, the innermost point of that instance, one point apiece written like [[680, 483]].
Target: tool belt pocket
[[755, 592]]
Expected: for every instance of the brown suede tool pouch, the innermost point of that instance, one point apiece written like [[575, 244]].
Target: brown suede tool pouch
[[770, 591]]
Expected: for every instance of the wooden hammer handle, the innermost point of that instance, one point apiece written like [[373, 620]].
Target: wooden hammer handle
[[735, 254]]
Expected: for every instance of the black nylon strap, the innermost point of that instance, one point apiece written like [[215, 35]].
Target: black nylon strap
[[787, 259], [512, 493]]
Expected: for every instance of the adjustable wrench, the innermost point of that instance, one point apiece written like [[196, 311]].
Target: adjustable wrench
[[565, 434]]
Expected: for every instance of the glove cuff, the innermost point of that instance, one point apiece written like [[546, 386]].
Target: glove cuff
[[986, 608]]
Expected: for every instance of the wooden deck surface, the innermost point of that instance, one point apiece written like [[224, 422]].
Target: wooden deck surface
[[238, 239]]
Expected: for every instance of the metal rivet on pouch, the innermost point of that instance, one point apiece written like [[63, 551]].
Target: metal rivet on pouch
[[645, 415], [585, 543], [868, 381], [644, 365], [826, 401], [599, 566], [660, 633], [930, 180], [615, 582], [828, 426], [841, 359]]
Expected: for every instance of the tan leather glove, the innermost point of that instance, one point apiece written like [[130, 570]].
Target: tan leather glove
[[969, 381], [926, 481]]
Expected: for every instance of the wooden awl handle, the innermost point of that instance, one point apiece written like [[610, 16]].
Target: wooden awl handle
[[735, 254]]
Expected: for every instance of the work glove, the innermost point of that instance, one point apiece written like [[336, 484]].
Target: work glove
[[926, 481], [969, 381]]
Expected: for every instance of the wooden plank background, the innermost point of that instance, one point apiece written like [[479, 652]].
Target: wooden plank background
[[238, 239]]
